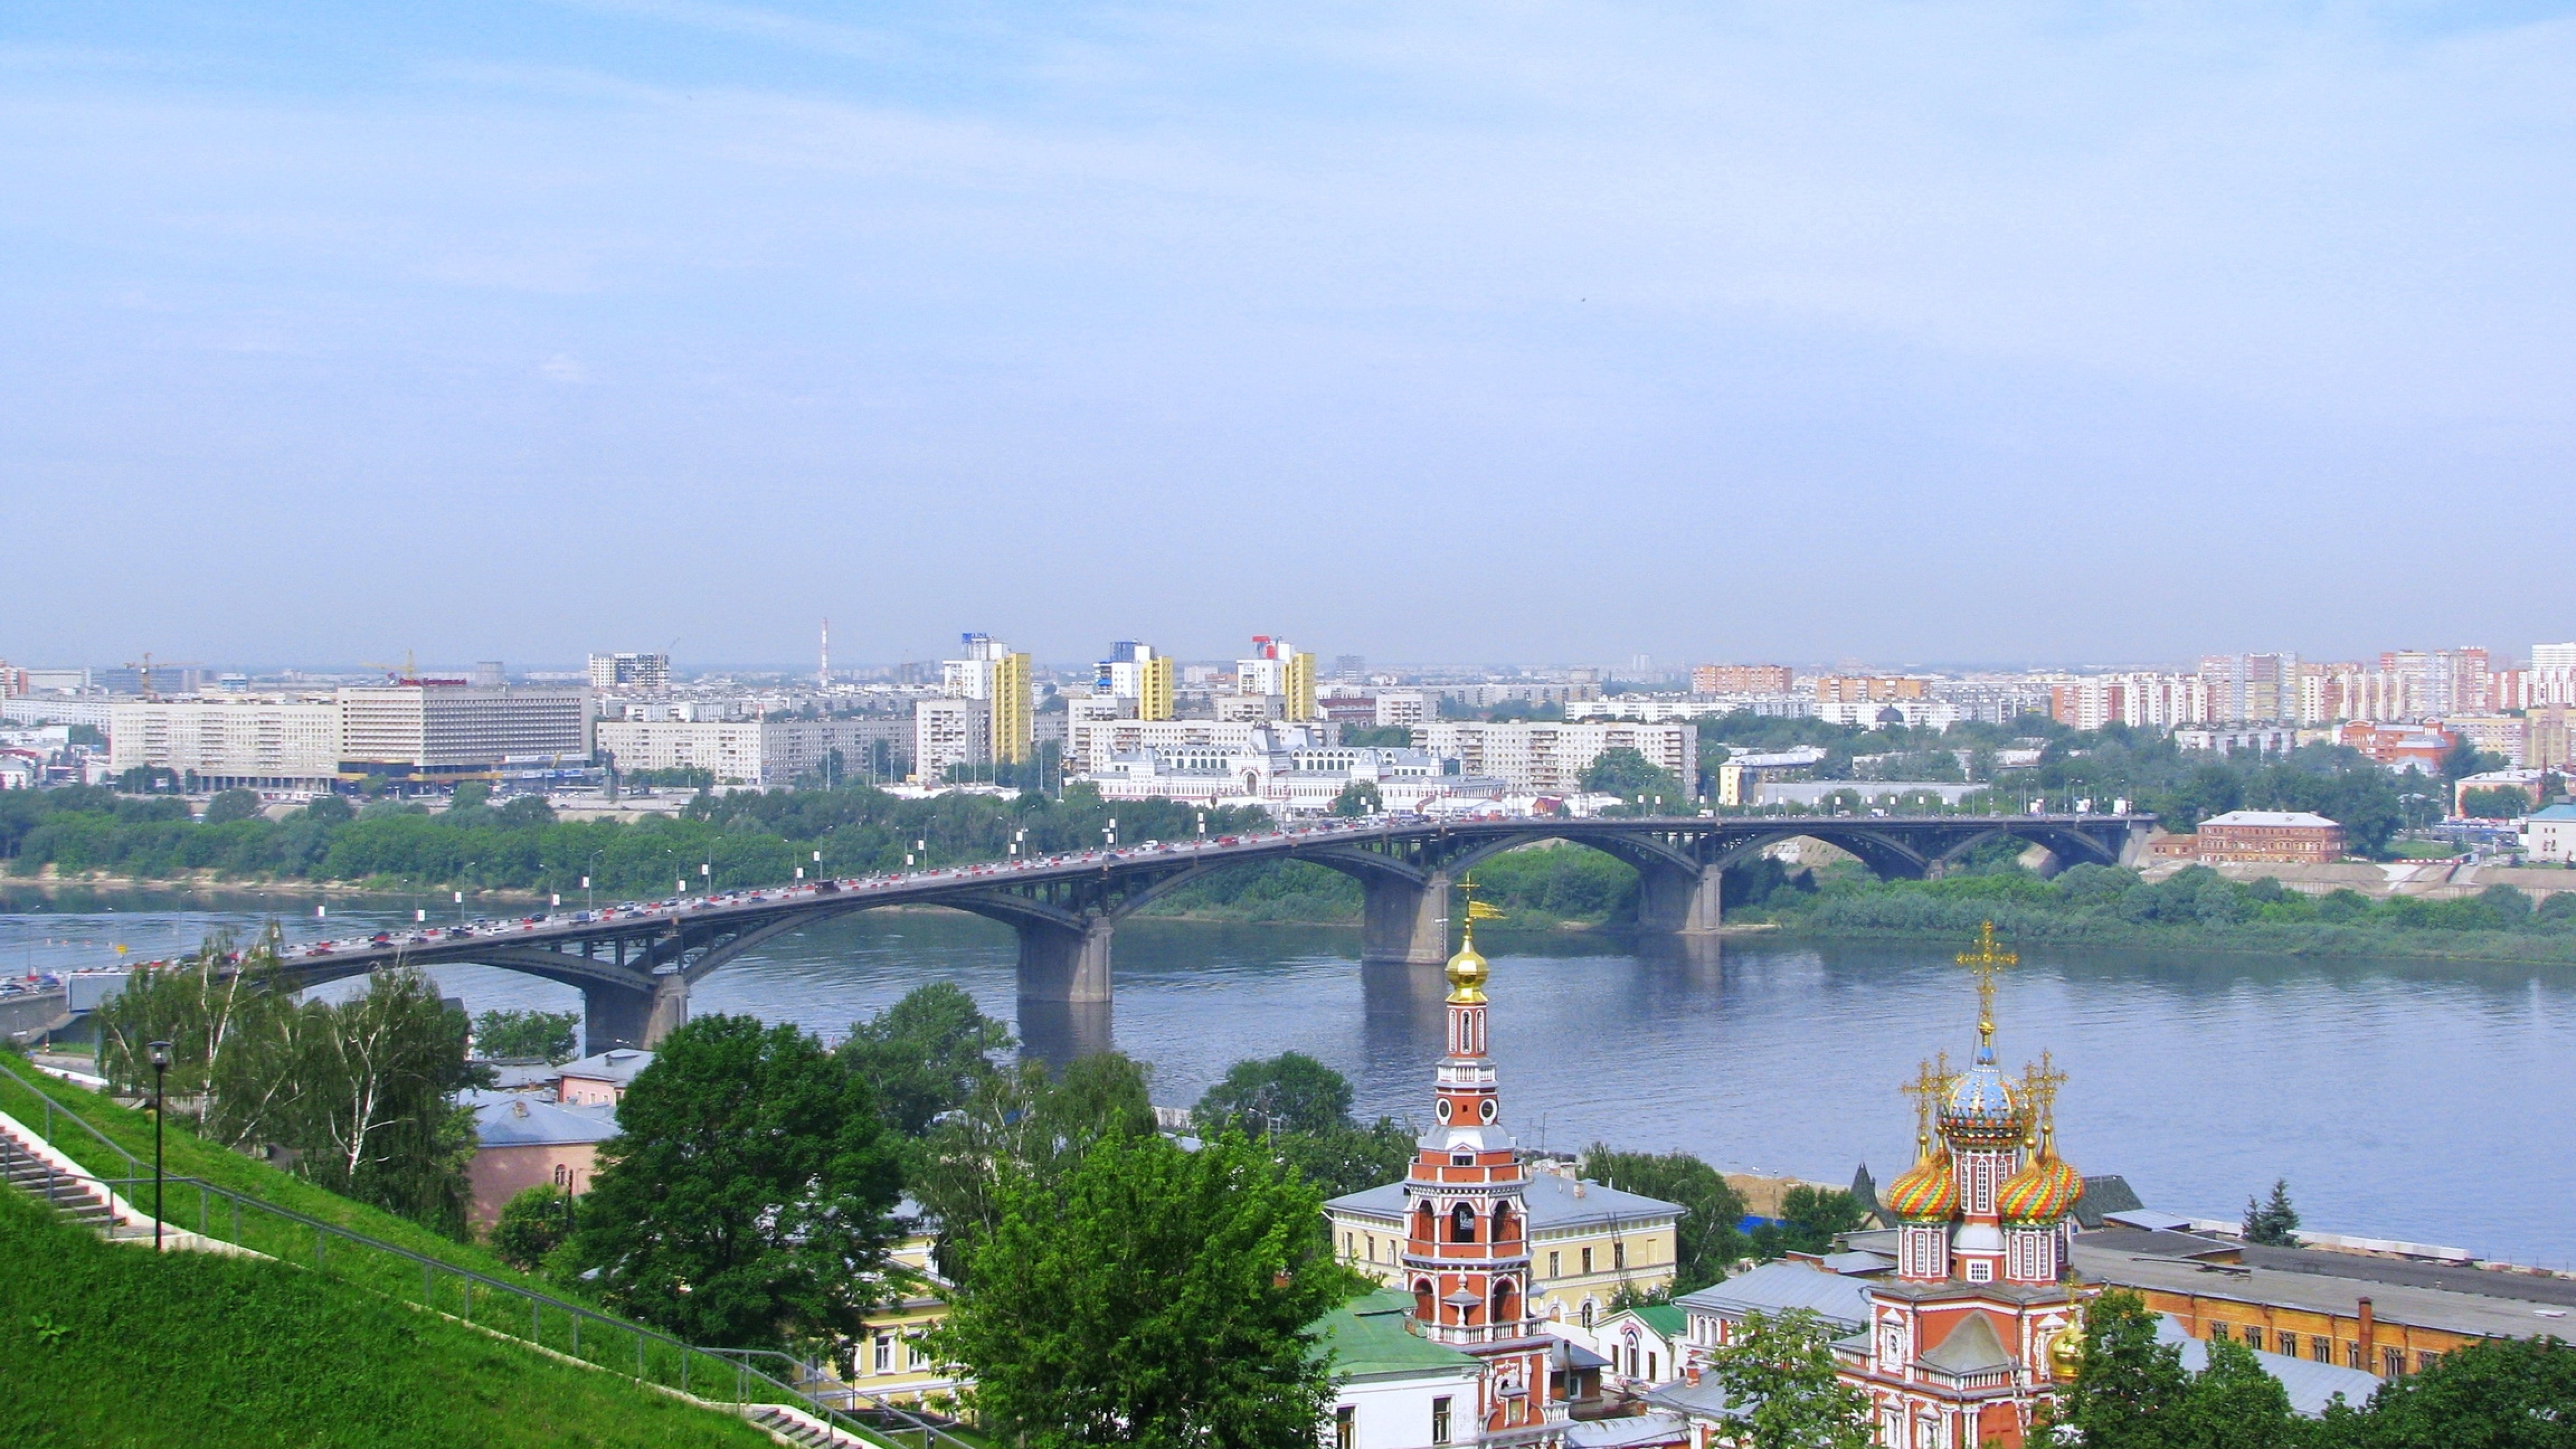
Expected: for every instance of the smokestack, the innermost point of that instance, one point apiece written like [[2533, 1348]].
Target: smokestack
[[2368, 1333], [823, 675]]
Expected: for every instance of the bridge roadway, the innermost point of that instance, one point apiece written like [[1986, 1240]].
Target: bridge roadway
[[634, 962]]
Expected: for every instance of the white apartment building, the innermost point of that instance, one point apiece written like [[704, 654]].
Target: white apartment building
[[223, 742], [1093, 741], [1537, 757], [630, 673], [1288, 769], [765, 753], [1406, 707], [452, 729], [947, 732]]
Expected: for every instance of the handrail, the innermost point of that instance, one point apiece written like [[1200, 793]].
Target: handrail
[[575, 1314]]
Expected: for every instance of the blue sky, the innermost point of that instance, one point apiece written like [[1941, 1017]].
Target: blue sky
[[1471, 331]]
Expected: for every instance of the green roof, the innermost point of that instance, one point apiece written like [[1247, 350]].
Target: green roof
[[1372, 1336], [1666, 1319]]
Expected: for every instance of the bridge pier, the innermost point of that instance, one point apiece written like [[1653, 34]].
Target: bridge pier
[[1064, 963], [632, 1016], [1672, 901], [1405, 922]]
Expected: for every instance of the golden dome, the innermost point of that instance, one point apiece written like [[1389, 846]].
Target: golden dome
[[2066, 1353], [1467, 973]]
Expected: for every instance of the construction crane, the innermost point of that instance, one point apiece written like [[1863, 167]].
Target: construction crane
[[408, 672], [143, 671]]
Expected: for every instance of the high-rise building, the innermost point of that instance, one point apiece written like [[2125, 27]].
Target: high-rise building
[[630, 673], [1542, 757], [947, 732], [1000, 678], [1276, 668], [450, 730], [1013, 707], [1133, 671], [1740, 679], [220, 742], [1350, 668]]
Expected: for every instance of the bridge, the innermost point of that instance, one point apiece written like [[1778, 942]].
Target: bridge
[[634, 963]]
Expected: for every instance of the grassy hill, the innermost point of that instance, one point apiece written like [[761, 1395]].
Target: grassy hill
[[103, 1346]]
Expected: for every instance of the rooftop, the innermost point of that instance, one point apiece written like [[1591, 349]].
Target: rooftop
[[1779, 1287], [619, 1065], [516, 1119], [1555, 1204], [2312, 1286], [1371, 1337], [2300, 818]]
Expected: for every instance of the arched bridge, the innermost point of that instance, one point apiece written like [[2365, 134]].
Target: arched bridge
[[634, 963]]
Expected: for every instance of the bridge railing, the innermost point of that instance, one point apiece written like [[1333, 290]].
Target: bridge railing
[[576, 1330]]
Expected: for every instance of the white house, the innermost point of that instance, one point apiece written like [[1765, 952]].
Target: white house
[[1393, 1388], [2550, 834]]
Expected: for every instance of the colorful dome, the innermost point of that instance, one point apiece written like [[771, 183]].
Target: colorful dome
[[2045, 1191], [1927, 1193], [1982, 1110]]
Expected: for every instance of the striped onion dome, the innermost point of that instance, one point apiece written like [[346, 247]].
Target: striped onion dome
[[1983, 1110], [2045, 1191], [1926, 1193]]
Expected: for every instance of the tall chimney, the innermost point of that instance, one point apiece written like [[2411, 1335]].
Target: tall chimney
[[823, 675], [2369, 1332]]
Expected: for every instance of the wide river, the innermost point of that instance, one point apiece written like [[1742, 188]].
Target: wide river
[[2429, 1101]]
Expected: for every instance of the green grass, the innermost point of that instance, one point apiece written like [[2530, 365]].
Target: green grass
[[106, 1345]]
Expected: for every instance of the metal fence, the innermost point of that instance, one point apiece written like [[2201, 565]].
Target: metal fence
[[218, 1213]]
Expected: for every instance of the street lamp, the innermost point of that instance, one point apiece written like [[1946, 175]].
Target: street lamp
[[160, 1075]]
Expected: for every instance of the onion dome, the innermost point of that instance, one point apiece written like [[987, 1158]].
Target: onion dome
[[1981, 1109], [2066, 1354], [1467, 973], [2044, 1191], [1927, 1193]]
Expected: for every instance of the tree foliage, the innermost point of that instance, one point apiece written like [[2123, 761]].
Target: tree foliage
[[532, 1225], [746, 1199], [1810, 1217], [1291, 1092], [1150, 1297], [1782, 1388], [527, 1035], [2273, 1223], [1020, 1124], [925, 1054], [1708, 1239]]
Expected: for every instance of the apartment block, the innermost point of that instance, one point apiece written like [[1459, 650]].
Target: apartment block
[[1537, 757]]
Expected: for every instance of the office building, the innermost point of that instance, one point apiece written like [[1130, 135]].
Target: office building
[[1868, 688], [223, 742], [440, 731], [1093, 742], [992, 674], [1133, 671], [768, 753], [630, 673], [1277, 667]]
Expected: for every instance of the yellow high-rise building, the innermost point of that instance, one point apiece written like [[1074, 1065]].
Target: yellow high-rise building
[[1297, 680], [1154, 688], [1011, 708]]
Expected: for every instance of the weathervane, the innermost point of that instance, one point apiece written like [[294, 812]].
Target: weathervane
[[1985, 961], [1475, 911]]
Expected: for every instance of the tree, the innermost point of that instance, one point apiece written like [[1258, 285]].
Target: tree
[[1152, 1297], [1100, 1095], [377, 1115], [1810, 1217], [1627, 774], [925, 1054], [2501, 803], [532, 1225], [2234, 1404], [745, 1200], [2128, 1388], [526, 1035], [1359, 797], [1708, 1238], [2465, 759], [1291, 1092], [230, 805], [1782, 1389], [2274, 1224], [1347, 1159], [2512, 1393]]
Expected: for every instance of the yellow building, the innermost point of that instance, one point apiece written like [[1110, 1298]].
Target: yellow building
[[1297, 681], [1011, 708], [890, 1359], [1586, 1242], [1154, 688]]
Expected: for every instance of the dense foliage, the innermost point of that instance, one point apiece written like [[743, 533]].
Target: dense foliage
[[1810, 1218], [1153, 1297], [361, 1091], [1782, 1387], [526, 1036], [532, 1225], [1300, 1111], [746, 1199], [745, 838], [924, 1055], [2273, 1223], [2108, 905], [101, 1344]]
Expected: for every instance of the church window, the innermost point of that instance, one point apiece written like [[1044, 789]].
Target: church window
[[1462, 1225], [1502, 1222], [1651, 1373], [1587, 1313], [1440, 1420], [1981, 1272]]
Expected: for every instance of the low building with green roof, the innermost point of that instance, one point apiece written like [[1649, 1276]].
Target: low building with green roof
[[1393, 1388]]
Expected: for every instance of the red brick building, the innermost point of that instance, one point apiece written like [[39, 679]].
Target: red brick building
[[1740, 679], [2285, 836]]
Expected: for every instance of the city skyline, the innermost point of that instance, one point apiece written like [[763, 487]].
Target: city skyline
[[1866, 332]]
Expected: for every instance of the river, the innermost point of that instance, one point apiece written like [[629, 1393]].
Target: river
[[2429, 1101]]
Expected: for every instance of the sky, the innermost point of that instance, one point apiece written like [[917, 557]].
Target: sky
[[1810, 331]]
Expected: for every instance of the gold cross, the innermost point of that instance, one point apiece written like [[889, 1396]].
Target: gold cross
[[1930, 1085], [2040, 1084], [1985, 961]]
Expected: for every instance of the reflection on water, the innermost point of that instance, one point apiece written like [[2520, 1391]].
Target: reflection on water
[[2430, 1101]]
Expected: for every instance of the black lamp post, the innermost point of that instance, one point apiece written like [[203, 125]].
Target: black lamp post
[[160, 1098]]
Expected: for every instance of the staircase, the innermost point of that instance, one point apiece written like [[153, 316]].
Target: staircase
[[82, 1201], [788, 1426]]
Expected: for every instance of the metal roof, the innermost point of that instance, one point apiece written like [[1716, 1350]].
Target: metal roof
[[1779, 1287], [1370, 1337], [1550, 1200], [2253, 1283], [516, 1119], [618, 1064], [2311, 1386], [1626, 1430]]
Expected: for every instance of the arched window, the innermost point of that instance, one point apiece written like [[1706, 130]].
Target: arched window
[[1425, 1308], [1424, 1224], [1503, 1230], [1587, 1313], [1505, 1305], [1462, 1224]]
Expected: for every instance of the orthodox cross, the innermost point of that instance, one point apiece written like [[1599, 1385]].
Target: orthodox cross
[[1931, 1083], [1985, 961], [2041, 1083]]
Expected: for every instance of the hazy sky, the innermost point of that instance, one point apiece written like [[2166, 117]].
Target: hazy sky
[[1904, 332]]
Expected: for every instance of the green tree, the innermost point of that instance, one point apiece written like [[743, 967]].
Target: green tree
[[1100, 1095], [2275, 1223], [527, 1035], [2234, 1404], [745, 1200], [230, 805], [1627, 774], [1810, 1217], [1708, 1239], [2501, 803], [2465, 759], [2128, 1388], [1152, 1297], [1291, 1092], [1346, 1159], [925, 1054], [532, 1225], [1359, 797], [2513, 1393], [1782, 1386]]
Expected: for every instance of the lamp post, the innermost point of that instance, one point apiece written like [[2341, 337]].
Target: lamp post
[[160, 1098]]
